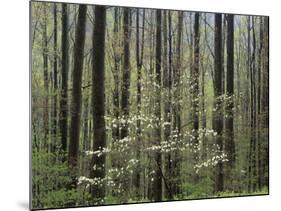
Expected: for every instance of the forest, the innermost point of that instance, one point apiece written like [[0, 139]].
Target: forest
[[133, 105]]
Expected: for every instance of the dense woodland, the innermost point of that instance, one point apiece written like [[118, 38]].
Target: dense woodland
[[138, 105]]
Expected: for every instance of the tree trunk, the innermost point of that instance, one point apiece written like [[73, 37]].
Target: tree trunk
[[252, 153], [54, 126], [259, 111], [46, 77], [157, 183], [139, 59], [177, 99], [195, 78], [265, 101], [117, 59], [126, 73], [167, 102], [64, 77], [203, 100], [229, 135], [98, 97], [125, 89], [76, 91], [86, 105], [194, 89], [224, 37], [151, 100], [177, 73], [217, 113], [253, 110]]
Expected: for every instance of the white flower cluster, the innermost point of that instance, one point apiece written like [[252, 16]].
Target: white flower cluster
[[187, 141], [98, 152], [213, 161], [133, 162], [96, 181], [114, 176], [91, 181], [149, 122]]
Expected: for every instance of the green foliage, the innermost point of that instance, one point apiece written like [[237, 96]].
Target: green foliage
[[50, 177], [263, 191], [201, 189], [64, 197]]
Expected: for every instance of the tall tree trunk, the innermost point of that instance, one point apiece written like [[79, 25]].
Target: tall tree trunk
[[157, 183], [259, 112], [86, 117], [55, 80], [125, 89], [46, 77], [194, 89], [167, 102], [253, 109], [98, 97], [265, 101], [252, 153], [117, 58], [203, 100], [77, 92], [217, 113], [177, 98], [139, 59], [177, 72], [195, 78], [224, 37], [116, 45], [64, 77], [229, 135], [248, 107], [152, 99]]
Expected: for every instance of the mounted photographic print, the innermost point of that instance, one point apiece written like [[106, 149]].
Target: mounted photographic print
[[135, 105]]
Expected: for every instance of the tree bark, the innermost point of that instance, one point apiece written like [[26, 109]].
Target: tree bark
[[194, 89], [253, 109], [195, 78], [265, 101], [139, 59], [167, 87], [54, 126], [217, 113], [46, 77], [229, 134], [252, 151], [98, 97], [76, 92], [64, 77], [177, 73], [117, 59], [125, 89], [157, 183], [259, 112]]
